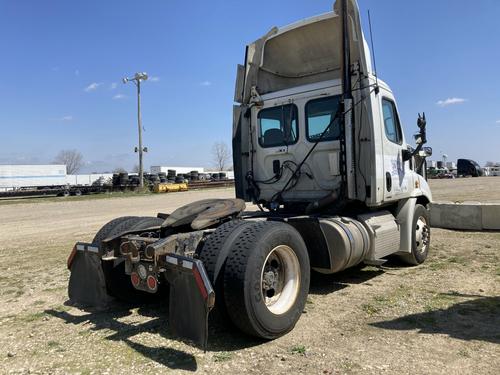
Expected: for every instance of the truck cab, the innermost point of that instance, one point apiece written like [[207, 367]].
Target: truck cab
[[289, 90]]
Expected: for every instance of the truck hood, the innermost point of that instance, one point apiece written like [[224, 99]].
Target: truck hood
[[304, 52]]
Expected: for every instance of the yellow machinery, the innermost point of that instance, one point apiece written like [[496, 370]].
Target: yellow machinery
[[169, 188]]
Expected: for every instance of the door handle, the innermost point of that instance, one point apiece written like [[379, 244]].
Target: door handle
[[388, 181]]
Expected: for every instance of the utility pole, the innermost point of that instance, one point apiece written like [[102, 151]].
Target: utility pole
[[138, 77]]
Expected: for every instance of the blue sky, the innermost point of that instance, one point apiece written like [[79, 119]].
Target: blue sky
[[63, 61]]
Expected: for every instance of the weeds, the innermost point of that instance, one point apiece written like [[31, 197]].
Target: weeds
[[370, 309], [298, 349], [222, 356]]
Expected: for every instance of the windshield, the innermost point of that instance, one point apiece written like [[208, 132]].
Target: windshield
[[278, 126]]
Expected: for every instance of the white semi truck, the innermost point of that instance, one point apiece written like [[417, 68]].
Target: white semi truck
[[319, 147]]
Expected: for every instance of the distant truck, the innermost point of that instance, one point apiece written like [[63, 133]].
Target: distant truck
[[468, 167]]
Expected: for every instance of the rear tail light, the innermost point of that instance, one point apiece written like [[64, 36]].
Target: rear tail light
[[152, 283], [134, 277]]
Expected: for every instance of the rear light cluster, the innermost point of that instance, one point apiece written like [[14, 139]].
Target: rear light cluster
[[136, 277]]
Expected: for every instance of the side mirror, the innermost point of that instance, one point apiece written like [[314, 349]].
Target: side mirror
[[421, 138], [427, 151]]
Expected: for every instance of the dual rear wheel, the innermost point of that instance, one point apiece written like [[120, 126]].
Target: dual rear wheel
[[261, 279]]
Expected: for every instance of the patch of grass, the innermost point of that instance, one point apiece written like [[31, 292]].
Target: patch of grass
[[437, 266], [222, 356], [32, 317], [463, 353], [370, 309], [349, 365], [381, 299], [38, 302], [53, 344], [441, 301], [458, 260], [298, 349], [61, 308]]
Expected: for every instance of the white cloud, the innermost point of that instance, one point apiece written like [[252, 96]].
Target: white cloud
[[450, 101], [93, 86], [206, 83], [497, 121], [154, 79], [119, 96], [113, 86], [66, 118]]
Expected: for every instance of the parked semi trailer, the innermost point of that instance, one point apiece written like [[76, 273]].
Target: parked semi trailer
[[43, 180], [318, 145], [32, 176]]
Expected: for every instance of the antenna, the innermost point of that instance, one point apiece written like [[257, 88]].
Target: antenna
[[373, 53]]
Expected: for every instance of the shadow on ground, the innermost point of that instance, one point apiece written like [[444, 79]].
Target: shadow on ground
[[221, 337], [473, 319], [325, 284]]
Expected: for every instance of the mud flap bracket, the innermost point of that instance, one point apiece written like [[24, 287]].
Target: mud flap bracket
[[191, 298]]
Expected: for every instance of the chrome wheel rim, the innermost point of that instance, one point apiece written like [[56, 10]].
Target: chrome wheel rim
[[422, 234], [280, 279]]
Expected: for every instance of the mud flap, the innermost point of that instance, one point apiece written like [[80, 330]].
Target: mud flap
[[191, 298], [87, 285]]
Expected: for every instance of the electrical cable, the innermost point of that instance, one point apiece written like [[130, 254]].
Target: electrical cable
[[297, 170]]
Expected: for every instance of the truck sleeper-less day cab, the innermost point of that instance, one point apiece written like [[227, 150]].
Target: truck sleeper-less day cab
[[319, 147]]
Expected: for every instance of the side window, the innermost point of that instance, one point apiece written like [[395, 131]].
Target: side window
[[319, 113], [278, 126], [391, 122]]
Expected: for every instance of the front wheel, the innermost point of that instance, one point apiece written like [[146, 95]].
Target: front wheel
[[421, 237], [266, 279]]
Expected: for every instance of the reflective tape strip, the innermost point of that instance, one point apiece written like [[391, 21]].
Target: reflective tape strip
[[80, 247], [93, 249], [172, 260], [199, 283], [187, 264]]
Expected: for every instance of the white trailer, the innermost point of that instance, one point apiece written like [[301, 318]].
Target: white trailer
[[32, 176]]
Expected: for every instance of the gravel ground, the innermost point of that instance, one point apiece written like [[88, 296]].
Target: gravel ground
[[482, 189], [441, 317]]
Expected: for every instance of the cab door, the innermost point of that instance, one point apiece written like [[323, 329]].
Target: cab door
[[396, 171]]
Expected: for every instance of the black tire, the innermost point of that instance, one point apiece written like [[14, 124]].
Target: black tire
[[106, 229], [118, 283], [243, 281], [214, 253], [419, 246]]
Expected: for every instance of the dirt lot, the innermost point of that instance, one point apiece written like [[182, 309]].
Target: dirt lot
[[441, 317], [482, 189]]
